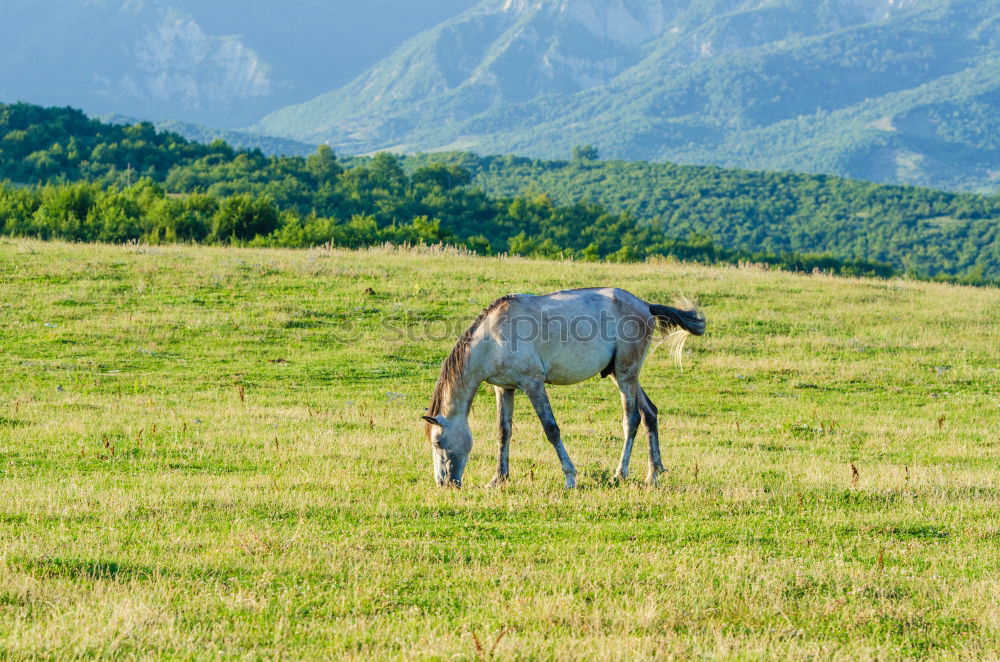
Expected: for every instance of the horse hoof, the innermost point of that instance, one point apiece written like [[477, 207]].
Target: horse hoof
[[498, 481], [620, 478], [653, 476], [570, 481]]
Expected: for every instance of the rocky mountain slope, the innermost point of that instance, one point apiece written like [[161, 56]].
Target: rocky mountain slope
[[219, 63]]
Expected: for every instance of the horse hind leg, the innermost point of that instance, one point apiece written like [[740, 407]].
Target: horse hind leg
[[649, 418], [505, 422], [629, 388]]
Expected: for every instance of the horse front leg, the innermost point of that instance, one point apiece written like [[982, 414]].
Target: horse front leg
[[540, 401], [629, 388], [505, 424], [649, 418]]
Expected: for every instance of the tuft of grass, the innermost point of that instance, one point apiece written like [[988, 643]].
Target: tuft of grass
[[148, 511]]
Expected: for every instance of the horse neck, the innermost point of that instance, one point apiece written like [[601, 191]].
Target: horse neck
[[458, 399]]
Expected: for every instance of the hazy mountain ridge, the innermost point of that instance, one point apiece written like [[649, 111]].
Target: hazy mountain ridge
[[178, 60], [220, 64], [517, 50], [878, 89], [134, 57]]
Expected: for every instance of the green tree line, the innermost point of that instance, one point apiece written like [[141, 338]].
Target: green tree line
[[523, 226]]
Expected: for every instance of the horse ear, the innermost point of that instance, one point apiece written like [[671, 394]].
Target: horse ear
[[433, 421]]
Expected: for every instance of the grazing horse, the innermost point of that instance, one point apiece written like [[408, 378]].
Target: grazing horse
[[525, 342]]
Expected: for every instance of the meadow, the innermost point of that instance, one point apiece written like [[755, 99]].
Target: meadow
[[211, 452]]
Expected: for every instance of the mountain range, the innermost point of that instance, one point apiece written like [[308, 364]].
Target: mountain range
[[897, 91], [887, 90], [219, 63]]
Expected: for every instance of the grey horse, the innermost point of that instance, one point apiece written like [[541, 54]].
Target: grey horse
[[524, 342]]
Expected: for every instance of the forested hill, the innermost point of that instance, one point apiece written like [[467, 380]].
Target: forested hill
[[240, 140], [585, 208], [918, 230]]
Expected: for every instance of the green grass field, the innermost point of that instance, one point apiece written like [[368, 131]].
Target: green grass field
[[210, 453]]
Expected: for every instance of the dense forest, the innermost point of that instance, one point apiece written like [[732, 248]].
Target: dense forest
[[72, 177], [920, 231]]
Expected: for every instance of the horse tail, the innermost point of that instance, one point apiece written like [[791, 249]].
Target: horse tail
[[681, 322], [688, 318]]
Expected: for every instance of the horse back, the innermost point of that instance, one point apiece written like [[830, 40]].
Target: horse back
[[570, 336]]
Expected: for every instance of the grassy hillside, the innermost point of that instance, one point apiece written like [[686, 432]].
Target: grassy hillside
[[217, 452]]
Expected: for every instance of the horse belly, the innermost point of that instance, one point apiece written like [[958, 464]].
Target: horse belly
[[569, 363]]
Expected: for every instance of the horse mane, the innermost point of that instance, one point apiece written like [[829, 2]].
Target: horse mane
[[454, 365]]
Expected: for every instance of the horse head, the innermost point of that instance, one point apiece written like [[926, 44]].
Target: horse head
[[451, 443]]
